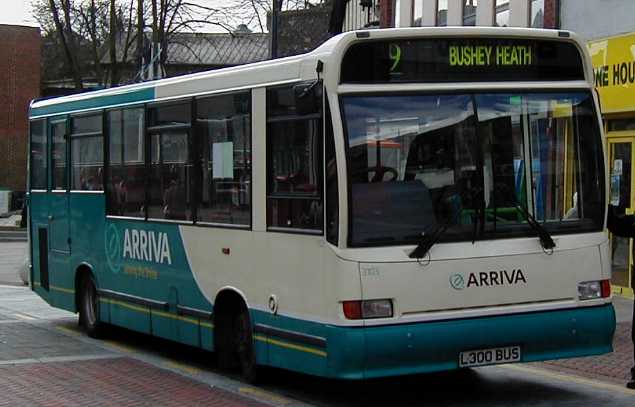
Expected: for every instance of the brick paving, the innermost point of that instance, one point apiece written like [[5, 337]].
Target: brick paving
[[612, 367], [107, 382]]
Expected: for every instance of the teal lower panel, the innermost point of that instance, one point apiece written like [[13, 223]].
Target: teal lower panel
[[207, 336], [136, 318], [368, 352], [63, 299], [435, 346]]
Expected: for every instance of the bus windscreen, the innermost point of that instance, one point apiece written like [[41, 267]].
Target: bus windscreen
[[461, 60]]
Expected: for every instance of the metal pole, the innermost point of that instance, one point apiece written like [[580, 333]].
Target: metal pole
[[274, 30]]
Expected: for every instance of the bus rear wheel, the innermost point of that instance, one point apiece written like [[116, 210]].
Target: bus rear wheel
[[89, 308], [245, 347]]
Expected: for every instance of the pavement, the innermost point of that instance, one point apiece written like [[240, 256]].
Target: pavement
[[12, 260], [44, 364], [9, 231]]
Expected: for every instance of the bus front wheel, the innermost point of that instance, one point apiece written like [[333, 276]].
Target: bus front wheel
[[89, 308]]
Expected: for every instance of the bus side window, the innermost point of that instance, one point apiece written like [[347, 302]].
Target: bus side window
[[87, 155], [170, 175], [38, 154], [332, 202], [125, 179], [59, 177], [223, 129], [294, 165]]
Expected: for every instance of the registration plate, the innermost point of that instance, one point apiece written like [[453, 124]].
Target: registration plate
[[484, 357]]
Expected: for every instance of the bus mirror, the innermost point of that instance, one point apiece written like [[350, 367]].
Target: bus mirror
[[307, 98]]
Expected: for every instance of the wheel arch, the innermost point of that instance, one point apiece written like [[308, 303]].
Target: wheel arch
[[228, 297]]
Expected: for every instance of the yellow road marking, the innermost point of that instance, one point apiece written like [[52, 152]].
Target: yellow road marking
[[68, 331], [568, 378], [121, 347], [24, 317], [290, 345], [184, 368], [264, 395]]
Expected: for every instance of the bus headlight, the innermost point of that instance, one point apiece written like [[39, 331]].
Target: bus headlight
[[589, 290], [367, 309]]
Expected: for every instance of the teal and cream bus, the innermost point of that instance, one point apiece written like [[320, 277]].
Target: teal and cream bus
[[395, 202]]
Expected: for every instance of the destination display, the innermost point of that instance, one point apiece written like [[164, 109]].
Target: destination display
[[462, 60]]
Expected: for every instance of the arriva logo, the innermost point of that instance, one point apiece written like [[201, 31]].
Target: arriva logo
[[112, 241], [146, 245], [457, 281], [142, 245], [488, 279]]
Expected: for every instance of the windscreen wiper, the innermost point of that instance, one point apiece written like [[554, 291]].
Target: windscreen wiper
[[546, 241], [429, 240]]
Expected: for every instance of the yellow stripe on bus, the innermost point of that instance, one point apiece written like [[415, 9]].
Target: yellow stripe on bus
[[62, 289], [290, 345], [190, 320]]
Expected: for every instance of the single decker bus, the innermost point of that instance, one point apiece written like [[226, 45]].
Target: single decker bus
[[394, 202]]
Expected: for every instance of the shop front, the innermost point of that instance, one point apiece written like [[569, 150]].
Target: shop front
[[614, 71]]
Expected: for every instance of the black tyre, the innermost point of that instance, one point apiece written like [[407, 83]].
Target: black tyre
[[245, 347], [89, 308], [224, 341]]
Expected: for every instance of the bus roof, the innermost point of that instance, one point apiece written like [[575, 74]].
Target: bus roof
[[272, 72]]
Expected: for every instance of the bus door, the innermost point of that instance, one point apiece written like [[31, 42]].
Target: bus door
[[621, 154], [58, 199]]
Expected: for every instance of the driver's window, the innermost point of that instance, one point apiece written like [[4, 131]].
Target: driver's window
[[294, 165]]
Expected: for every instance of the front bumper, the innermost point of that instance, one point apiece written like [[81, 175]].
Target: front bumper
[[368, 352]]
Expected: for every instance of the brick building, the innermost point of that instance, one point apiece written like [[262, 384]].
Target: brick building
[[19, 84]]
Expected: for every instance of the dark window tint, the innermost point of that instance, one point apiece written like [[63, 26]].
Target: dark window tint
[[87, 124], [170, 167], [38, 154], [126, 177], [170, 115], [294, 158], [224, 130], [170, 172], [58, 156], [473, 166], [413, 165], [621, 125], [332, 203], [87, 153]]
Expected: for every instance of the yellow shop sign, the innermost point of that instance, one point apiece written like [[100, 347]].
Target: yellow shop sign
[[614, 72]]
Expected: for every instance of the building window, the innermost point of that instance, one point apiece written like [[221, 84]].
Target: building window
[[170, 167], [126, 170], [469, 12], [223, 126], [294, 160], [442, 12], [502, 13], [59, 177], [537, 14], [87, 153], [38, 154], [621, 125]]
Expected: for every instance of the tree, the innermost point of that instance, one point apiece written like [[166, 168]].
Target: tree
[[254, 13], [112, 29]]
